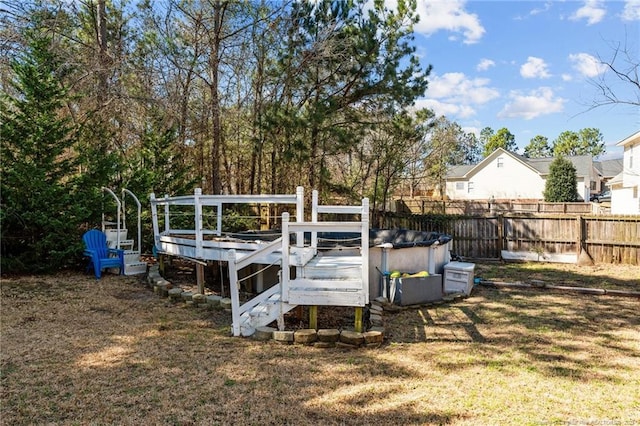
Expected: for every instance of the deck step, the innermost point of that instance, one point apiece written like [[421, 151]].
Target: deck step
[[135, 268], [124, 244], [264, 313], [261, 310], [275, 297]]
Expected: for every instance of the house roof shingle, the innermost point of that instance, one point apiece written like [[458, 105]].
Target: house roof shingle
[[609, 168], [582, 163]]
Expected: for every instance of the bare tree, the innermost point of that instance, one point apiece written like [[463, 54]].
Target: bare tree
[[620, 83]]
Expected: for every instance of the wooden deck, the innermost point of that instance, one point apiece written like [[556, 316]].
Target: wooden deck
[[307, 276]]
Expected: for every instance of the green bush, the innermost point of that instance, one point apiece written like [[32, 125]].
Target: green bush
[[562, 182]]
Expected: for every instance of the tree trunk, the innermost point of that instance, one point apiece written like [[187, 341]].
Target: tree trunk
[[214, 69], [101, 34]]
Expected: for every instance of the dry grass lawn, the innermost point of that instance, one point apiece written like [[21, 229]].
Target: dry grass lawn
[[74, 350]]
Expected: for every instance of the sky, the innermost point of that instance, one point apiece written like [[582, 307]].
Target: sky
[[529, 66]]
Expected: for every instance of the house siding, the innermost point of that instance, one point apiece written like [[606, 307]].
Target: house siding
[[632, 168], [505, 175], [624, 202], [625, 196], [512, 180]]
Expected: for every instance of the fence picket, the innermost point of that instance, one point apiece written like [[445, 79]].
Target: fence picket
[[607, 239]]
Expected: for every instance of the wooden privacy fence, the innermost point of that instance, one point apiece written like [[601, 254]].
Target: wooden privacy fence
[[559, 238], [477, 207]]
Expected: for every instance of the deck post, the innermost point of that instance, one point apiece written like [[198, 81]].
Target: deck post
[[280, 321], [286, 275], [167, 226], [200, 277], [154, 220], [314, 218], [313, 317], [299, 214], [197, 204], [358, 323], [365, 249], [233, 290]]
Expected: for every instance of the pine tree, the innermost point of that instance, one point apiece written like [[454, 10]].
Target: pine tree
[[37, 224], [562, 182]]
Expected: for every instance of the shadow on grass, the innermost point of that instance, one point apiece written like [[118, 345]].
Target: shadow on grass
[[580, 337], [598, 276]]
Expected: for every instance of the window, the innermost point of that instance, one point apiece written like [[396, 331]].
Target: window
[[500, 162], [459, 186], [470, 187], [631, 156]]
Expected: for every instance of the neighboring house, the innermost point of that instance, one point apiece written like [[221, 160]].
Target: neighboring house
[[506, 175], [607, 169], [624, 187]]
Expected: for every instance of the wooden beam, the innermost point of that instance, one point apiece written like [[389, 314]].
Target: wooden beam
[[313, 317], [358, 323], [200, 277]]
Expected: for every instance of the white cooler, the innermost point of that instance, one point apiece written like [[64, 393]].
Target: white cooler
[[458, 277]]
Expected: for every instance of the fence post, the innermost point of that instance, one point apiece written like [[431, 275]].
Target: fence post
[[500, 242], [579, 234], [584, 258]]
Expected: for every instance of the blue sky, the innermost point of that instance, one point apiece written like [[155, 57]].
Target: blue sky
[[528, 66]]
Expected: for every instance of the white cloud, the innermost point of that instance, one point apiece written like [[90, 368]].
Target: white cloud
[[592, 11], [457, 86], [451, 16], [586, 65], [567, 77], [631, 11], [545, 8], [446, 109], [534, 68], [454, 94], [485, 64], [528, 106]]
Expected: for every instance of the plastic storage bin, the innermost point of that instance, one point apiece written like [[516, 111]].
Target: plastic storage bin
[[414, 291], [458, 277]]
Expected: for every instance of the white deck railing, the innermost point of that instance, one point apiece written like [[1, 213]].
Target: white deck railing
[[200, 202], [235, 265]]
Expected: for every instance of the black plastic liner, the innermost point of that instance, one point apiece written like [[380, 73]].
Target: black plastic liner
[[398, 238], [401, 238]]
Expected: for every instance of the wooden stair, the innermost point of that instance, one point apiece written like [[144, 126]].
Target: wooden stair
[[263, 310]]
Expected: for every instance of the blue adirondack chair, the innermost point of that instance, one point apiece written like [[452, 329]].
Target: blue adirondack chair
[[99, 254]]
